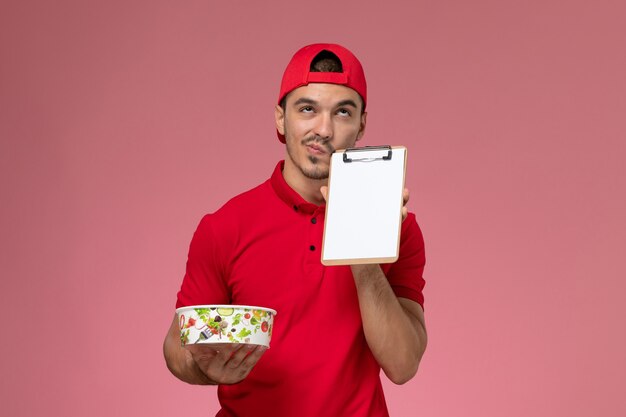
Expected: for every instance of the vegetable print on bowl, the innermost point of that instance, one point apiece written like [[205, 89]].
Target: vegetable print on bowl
[[225, 324]]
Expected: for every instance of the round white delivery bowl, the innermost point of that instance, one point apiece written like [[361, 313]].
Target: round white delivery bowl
[[204, 324]]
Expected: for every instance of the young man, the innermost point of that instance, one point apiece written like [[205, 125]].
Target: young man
[[336, 327]]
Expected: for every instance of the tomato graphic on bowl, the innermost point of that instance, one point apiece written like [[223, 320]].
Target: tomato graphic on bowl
[[264, 326]]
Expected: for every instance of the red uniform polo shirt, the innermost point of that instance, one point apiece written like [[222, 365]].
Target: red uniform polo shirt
[[262, 248]]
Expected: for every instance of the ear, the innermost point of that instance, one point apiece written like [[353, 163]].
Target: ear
[[362, 127], [279, 117]]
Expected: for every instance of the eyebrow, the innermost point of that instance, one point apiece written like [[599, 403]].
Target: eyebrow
[[305, 100], [347, 103]]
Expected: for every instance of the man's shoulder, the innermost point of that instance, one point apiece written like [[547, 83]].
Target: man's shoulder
[[236, 212], [242, 205], [249, 198]]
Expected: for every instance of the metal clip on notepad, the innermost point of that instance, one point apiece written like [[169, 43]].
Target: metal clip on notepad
[[368, 158]]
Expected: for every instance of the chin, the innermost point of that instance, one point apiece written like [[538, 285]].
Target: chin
[[314, 172]]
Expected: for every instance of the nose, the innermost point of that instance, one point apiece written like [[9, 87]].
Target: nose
[[324, 126]]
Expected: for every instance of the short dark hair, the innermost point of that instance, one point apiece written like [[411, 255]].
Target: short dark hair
[[325, 61]]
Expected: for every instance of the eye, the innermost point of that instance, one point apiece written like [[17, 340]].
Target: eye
[[344, 112], [306, 109]]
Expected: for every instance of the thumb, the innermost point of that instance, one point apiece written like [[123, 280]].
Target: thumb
[[324, 191]]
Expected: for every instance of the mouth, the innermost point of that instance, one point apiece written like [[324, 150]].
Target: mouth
[[316, 149]]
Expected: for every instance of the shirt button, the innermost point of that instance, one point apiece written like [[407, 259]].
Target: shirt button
[[313, 220], [312, 247]]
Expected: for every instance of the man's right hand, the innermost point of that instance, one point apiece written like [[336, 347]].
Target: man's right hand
[[227, 363], [202, 364]]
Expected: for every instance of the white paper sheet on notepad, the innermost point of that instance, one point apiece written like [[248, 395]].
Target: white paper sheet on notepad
[[363, 213]]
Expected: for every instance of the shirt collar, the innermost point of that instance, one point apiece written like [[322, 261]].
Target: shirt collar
[[287, 194]]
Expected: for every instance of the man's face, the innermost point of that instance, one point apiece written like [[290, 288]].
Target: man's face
[[319, 118]]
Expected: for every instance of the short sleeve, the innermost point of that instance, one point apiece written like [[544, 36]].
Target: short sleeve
[[406, 274], [204, 277]]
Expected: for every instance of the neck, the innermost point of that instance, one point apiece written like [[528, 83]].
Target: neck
[[309, 189]]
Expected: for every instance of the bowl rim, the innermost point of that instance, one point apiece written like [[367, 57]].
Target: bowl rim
[[234, 306]]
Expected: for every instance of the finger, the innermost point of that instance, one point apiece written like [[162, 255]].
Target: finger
[[324, 191], [201, 351], [241, 363], [238, 357], [405, 195], [253, 357], [225, 352]]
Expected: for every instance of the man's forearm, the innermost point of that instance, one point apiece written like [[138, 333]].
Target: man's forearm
[[179, 360], [395, 333]]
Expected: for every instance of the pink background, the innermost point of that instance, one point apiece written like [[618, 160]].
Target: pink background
[[123, 122]]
